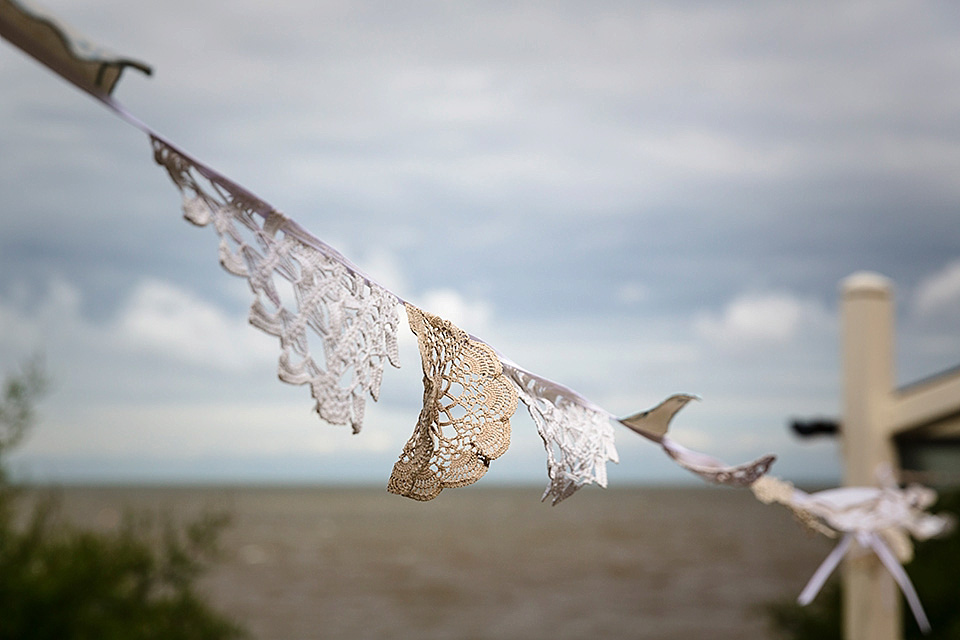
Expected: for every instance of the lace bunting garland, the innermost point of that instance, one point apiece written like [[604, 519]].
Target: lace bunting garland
[[579, 440], [355, 320], [337, 327], [465, 420]]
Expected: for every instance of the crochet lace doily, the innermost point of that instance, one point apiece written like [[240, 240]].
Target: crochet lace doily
[[579, 440], [336, 328], [465, 420]]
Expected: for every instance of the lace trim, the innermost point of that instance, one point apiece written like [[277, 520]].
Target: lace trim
[[354, 319], [465, 420], [716, 471], [579, 440]]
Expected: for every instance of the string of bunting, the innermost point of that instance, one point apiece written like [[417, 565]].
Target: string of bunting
[[309, 295]]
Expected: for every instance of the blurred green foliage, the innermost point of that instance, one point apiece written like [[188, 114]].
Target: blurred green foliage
[[20, 395], [934, 572], [61, 582]]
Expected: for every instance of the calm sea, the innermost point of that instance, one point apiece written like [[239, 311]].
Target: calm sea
[[355, 563]]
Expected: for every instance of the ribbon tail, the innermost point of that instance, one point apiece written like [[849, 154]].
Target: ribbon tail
[[824, 570], [900, 575]]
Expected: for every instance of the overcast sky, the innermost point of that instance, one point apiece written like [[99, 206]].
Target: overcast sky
[[634, 199]]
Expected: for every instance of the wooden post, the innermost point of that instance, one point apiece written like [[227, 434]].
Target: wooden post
[[871, 601]]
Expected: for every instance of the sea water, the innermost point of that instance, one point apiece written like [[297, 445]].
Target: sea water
[[478, 562]]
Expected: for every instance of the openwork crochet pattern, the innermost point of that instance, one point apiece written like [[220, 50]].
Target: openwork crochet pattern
[[465, 420], [336, 328], [579, 440]]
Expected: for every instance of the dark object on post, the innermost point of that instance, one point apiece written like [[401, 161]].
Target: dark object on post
[[817, 427]]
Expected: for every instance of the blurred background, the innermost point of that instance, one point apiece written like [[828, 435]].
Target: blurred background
[[633, 199]]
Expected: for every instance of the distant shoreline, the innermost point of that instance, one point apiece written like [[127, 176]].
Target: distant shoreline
[[370, 486]]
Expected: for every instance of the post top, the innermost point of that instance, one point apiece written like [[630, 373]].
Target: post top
[[866, 283]]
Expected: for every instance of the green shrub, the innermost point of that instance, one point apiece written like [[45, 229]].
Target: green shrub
[[60, 582]]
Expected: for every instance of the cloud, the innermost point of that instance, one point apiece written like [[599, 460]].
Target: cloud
[[17, 330], [156, 317], [632, 293], [752, 321], [927, 339], [704, 153], [33, 320], [185, 429], [938, 292], [473, 316], [166, 320], [383, 266], [245, 440]]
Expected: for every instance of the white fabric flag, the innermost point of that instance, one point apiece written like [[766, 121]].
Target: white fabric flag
[[654, 423], [578, 437]]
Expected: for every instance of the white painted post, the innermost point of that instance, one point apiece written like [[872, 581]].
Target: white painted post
[[871, 602]]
